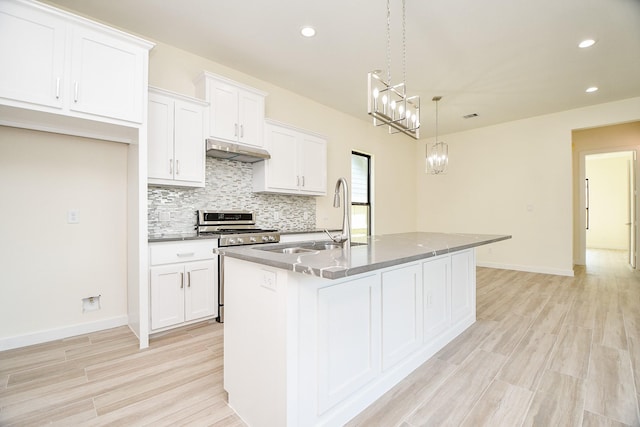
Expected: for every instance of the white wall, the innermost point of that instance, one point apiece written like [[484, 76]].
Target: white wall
[[175, 69], [514, 178], [48, 266], [608, 201]]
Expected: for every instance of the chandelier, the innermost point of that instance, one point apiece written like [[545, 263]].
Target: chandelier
[[388, 103], [438, 153]]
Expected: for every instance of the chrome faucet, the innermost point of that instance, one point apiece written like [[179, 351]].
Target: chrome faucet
[[345, 237]]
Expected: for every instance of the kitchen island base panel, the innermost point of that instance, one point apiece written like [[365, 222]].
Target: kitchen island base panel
[[303, 351]]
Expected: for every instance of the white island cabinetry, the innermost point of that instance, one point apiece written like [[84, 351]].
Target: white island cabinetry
[[328, 348]]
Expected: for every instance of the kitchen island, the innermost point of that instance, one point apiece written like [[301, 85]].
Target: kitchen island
[[313, 335]]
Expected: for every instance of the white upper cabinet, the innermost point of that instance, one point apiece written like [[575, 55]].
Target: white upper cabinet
[[298, 163], [106, 76], [56, 62], [32, 47], [236, 112], [176, 139]]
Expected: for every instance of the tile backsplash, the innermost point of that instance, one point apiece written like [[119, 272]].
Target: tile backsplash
[[228, 187]]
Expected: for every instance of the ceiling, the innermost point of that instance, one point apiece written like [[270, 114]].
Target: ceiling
[[501, 59]]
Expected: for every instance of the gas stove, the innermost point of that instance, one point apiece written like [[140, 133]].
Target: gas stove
[[234, 228]]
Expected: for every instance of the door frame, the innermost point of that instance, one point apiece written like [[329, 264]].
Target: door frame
[[582, 238]]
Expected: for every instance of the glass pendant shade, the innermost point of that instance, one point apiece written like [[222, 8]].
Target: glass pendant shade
[[388, 103], [437, 157], [390, 106]]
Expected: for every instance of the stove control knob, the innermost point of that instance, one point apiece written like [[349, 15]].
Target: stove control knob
[[265, 238], [232, 241], [252, 239], [272, 239], [240, 241]]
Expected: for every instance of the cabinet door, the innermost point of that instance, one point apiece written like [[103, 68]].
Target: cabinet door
[[313, 164], [223, 118], [435, 278], [201, 290], [282, 166], [32, 47], [189, 143], [463, 286], [401, 313], [106, 76], [251, 118], [167, 296], [348, 339], [160, 137]]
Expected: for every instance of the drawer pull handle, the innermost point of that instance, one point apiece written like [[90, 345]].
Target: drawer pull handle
[[183, 254]]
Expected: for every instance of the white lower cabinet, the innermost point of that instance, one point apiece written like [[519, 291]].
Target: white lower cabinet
[[402, 314], [183, 283], [348, 339], [437, 309], [463, 286]]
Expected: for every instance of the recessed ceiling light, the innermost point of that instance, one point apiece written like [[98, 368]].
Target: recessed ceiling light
[[586, 43], [308, 31], [591, 89]]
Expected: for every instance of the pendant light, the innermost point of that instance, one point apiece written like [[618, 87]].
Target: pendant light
[[388, 104], [437, 153]]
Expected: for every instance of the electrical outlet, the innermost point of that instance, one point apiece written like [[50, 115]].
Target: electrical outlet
[[269, 280], [73, 216], [306, 216], [164, 216], [276, 216]]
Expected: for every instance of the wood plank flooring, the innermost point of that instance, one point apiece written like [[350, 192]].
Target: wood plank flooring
[[545, 351]]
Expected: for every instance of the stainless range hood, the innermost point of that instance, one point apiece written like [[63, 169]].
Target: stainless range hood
[[237, 152]]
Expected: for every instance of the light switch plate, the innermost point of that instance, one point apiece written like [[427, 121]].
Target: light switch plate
[[73, 216]]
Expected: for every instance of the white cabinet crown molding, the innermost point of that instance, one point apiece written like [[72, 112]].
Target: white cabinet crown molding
[[208, 74]]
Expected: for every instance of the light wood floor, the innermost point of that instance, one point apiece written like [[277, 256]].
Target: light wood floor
[[545, 351]]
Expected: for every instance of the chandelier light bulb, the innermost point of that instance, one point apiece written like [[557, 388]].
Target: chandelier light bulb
[[384, 99], [376, 93], [393, 105]]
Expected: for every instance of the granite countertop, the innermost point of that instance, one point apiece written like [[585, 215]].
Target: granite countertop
[[378, 252], [177, 237]]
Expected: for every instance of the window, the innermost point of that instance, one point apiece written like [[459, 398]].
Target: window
[[360, 195]]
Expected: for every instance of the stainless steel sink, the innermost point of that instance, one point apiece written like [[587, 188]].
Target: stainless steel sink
[[306, 247], [295, 250]]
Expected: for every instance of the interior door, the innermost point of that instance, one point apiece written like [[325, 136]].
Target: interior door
[[632, 210]]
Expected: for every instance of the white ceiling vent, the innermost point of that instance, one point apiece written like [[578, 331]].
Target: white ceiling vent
[[470, 116]]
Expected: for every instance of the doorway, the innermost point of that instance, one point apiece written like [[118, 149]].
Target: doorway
[[609, 188]]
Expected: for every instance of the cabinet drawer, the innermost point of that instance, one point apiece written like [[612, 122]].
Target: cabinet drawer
[[168, 253]]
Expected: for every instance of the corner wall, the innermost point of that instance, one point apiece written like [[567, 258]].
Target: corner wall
[[514, 178], [48, 265]]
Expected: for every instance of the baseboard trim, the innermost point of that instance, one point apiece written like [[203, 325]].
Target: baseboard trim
[[543, 270], [60, 333]]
